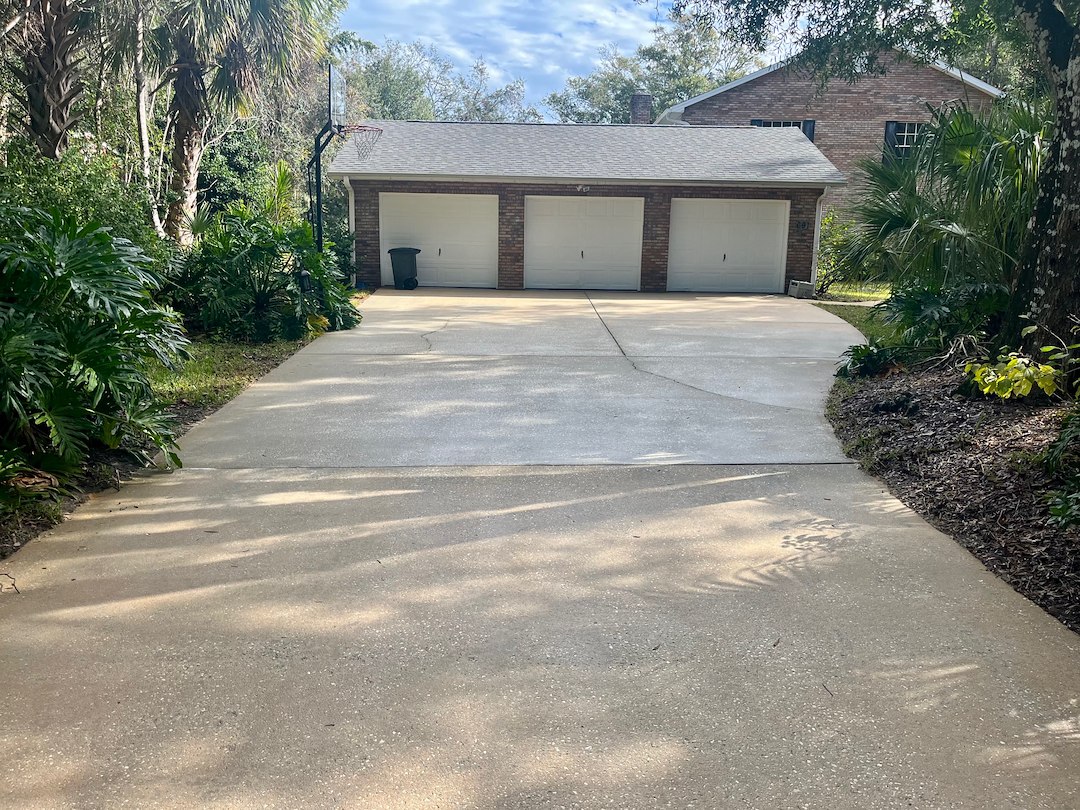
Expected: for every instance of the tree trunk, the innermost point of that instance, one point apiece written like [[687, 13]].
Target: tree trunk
[[142, 101], [190, 117], [50, 72], [1048, 285]]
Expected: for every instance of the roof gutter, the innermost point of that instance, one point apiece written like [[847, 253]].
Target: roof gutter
[[578, 181]]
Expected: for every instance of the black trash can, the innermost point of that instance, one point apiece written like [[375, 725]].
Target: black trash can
[[403, 261]]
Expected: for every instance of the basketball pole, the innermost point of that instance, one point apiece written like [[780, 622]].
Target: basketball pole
[[322, 140]]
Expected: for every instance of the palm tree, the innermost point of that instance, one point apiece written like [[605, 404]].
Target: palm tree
[[49, 34], [222, 51]]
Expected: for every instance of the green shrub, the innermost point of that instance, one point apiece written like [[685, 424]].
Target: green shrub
[[78, 331], [1014, 376], [869, 359], [948, 223], [931, 317], [1064, 505], [245, 278], [832, 269], [242, 281], [88, 186]]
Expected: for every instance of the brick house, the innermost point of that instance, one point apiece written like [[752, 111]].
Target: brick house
[[846, 121], [577, 206]]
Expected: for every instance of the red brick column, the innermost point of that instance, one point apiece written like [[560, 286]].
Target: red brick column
[[367, 249], [654, 241], [511, 238]]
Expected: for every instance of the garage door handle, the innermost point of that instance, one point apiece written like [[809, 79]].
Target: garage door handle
[[440, 251], [725, 257], [583, 254]]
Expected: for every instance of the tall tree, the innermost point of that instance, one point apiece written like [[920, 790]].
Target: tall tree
[[223, 51], [402, 81], [49, 34], [846, 39], [684, 59]]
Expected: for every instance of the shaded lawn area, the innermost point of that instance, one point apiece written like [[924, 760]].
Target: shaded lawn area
[[216, 373], [865, 319], [858, 291]]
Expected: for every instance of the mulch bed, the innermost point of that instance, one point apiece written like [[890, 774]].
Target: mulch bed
[[970, 466]]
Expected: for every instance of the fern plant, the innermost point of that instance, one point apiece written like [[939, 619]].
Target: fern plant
[[78, 328]]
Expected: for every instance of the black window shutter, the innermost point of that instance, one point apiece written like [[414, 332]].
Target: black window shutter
[[890, 139], [755, 122], [808, 128]]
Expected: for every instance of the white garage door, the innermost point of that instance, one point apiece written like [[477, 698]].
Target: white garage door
[[728, 245], [458, 237], [583, 243]]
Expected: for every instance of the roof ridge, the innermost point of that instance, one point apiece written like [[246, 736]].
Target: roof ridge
[[550, 124]]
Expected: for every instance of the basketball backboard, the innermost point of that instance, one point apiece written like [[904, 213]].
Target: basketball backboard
[[338, 104]]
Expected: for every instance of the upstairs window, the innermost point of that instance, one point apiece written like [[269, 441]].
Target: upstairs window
[[901, 137], [806, 125]]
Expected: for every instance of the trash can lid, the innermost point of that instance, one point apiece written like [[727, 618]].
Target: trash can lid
[[404, 250]]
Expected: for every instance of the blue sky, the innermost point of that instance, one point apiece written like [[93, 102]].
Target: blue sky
[[540, 41]]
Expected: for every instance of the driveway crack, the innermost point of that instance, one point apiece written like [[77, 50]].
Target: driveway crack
[[426, 336], [636, 367]]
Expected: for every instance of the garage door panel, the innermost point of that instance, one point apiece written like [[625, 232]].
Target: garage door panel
[[583, 242], [727, 245], [458, 237]]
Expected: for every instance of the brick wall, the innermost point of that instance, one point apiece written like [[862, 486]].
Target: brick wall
[[850, 118], [654, 246]]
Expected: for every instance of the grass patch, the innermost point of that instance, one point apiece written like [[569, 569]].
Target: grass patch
[[859, 291], [865, 319], [218, 371]]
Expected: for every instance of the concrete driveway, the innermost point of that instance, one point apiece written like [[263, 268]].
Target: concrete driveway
[[481, 378], [551, 609]]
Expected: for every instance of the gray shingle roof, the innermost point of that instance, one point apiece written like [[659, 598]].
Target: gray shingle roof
[[590, 152]]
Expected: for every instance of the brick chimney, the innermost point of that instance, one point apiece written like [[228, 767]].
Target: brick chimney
[[641, 107]]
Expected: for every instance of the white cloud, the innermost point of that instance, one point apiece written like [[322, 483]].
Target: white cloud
[[542, 41]]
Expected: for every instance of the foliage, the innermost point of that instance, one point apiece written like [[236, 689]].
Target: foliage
[[1064, 505], [930, 318], [957, 209], [242, 279], [831, 268], [948, 224], [683, 60], [400, 81], [233, 170], [869, 359], [78, 330], [996, 48], [1013, 376], [84, 184]]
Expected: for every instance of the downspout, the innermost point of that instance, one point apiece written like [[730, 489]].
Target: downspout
[[352, 228], [817, 236]]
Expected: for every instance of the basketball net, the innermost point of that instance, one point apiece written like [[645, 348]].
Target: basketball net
[[362, 137]]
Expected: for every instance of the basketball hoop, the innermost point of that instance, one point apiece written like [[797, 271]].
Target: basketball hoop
[[362, 137]]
